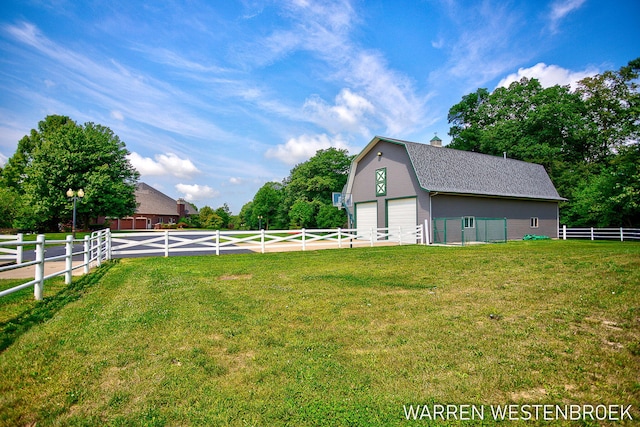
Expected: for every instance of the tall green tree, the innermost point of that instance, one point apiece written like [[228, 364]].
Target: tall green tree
[[578, 136], [225, 214], [266, 207], [209, 218], [63, 155], [309, 186], [303, 199]]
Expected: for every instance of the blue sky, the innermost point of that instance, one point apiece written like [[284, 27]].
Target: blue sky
[[215, 98]]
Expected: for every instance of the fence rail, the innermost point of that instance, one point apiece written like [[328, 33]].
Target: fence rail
[[103, 245], [167, 242], [592, 233], [95, 249]]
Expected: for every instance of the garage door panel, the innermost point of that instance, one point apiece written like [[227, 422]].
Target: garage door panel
[[402, 217], [366, 218]]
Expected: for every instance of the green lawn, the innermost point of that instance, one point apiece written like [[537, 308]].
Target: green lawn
[[332, 337]]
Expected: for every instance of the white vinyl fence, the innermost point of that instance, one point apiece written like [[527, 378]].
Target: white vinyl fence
[[592, 233], [95, 249], [171, 242], [103, 245]]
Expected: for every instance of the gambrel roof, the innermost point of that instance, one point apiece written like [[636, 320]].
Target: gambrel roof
[[445, 170]]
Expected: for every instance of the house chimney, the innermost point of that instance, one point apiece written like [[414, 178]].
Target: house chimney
[[435, 141], [181, 208]]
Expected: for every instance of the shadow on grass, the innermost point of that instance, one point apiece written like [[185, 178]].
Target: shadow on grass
[[44, 310]]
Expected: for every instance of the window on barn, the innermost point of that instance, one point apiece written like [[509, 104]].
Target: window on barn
[[381, 182], [534, 222], [469, 222]]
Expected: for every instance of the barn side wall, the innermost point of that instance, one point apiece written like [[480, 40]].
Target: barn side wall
[[401, 180], [518, 213]]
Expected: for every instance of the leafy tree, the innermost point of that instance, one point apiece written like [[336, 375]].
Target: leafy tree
[[330, 217], [319, 176], [302, 213], [245, 217], [304, 197], [266, 206], [209, 218], [191, 221], [225, 214], [61, 155], [576, 135], [611, 196], [310, 185], [10, 206]]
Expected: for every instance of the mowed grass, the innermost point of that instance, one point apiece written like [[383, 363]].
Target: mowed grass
[[334, 337]]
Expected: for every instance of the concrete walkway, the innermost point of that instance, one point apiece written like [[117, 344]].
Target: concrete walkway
[[49, 268]]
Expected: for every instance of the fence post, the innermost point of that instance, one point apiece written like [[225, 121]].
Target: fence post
[[304, 243], [87, 254], [400, 236], [217, 242], [262, 239], [371, 235], [166, 243], [340, 237], [621, 235], [68, 259], [591, 233], [19, 249], [99, 249], [38, 287], [506, 231], [426, 238], [564, 232], [108, 239]]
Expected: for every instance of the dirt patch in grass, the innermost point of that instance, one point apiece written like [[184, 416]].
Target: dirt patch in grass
[[236, 277]]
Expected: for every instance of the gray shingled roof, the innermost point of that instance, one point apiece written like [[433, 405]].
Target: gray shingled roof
[[152, 202], [441, 169]]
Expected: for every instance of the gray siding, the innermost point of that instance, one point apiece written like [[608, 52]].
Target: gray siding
[[518, 212], [502, 198], [401, 180]]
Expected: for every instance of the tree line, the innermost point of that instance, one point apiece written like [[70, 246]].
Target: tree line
[[60, 155], [303, 199], [587, 139]]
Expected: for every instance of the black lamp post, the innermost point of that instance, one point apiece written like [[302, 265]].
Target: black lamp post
[[75, 195], [260, 222]]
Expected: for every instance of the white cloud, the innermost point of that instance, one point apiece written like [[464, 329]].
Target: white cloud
[[347, 114], [117, 115], [3, 159], [548, 75], [193, 192], [125, 91], [164, 164], [437, 44], [562, 8], [302, 148], [371, 93], [235, 180]]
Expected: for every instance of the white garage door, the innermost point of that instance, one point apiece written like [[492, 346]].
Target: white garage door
[[366, 219], [402, 220]]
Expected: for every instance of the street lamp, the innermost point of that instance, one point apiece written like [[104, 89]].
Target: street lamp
[[260, 222], [75, 195]]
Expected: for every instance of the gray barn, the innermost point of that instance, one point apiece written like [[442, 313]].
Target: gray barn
[[396, 183]]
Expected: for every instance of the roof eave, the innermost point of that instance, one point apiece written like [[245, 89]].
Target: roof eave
[[496, 196]]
